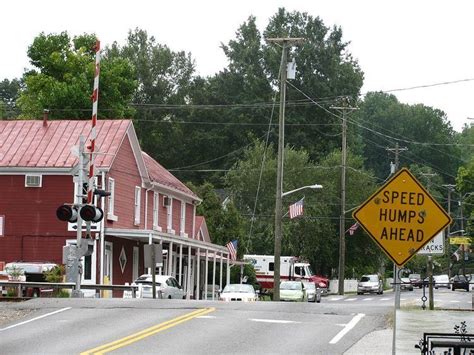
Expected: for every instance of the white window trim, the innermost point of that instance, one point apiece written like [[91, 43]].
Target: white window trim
[[156, 211], [182, 222], [169, 217], [137, 206], [34, 175], [111, 200]]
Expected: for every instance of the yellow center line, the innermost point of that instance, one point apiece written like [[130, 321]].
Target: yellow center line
[[130, 339]]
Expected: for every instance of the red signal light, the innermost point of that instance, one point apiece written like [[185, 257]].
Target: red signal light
[[90, 213], [67, 213]]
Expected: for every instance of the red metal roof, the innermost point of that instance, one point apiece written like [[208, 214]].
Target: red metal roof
[[160, 175], [30, 144]]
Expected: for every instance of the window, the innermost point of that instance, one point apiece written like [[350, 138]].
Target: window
[[111, 189], [2, 226], [137, 205], [156, 206], [183, 219], [169, 216], [271, 266], [33, 180]]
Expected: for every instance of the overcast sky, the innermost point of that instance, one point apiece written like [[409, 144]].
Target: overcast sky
[[398, 43]]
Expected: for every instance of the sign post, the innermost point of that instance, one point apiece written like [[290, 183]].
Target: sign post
[[401, 217]]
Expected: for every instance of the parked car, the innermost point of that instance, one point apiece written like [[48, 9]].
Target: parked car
[[460, 282], [370, 284], [313, 293], [238, 292], [441, 281], [405, 284], [165, 286], [292, 291]]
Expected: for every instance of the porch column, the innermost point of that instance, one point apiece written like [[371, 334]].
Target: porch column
[[228, 270], [188, 283], [207, 273], [180, 263], [150, 241], [198, 272], [214, 276], [170, 259], [220, 272], [160, 268]]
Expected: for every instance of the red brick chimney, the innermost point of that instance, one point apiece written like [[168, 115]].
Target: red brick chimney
[[45, 117]]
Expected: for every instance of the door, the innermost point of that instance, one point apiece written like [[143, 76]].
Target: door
[[108, 262], [88, 265]]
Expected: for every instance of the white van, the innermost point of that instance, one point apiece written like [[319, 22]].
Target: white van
[[441, 281]]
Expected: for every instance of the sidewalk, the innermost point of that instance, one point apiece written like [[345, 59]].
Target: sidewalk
[[411, 324]]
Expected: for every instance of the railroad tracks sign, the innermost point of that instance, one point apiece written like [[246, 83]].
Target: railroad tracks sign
[[401, 217]]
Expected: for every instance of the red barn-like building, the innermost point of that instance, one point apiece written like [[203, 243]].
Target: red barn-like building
[[147, 204]]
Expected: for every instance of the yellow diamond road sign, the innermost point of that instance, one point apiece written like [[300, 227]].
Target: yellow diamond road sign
[[402, 217]]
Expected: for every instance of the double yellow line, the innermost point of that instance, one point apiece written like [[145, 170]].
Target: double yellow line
[[120, 343]]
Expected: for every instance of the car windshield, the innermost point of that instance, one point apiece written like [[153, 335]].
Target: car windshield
[[309, 271], [309, 285], [290, 286], [368, 278], [238, 288], [414, 276]]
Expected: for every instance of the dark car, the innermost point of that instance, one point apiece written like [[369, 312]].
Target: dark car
[[460, 282], [416, 280]]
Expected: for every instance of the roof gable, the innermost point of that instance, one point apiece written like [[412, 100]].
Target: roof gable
[[159, 175]]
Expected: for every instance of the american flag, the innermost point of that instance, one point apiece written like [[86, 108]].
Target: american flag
[[232, 247], [353, 228], [296, 209]]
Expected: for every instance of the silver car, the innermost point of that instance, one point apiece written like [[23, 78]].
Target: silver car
[[313, 293], [165, 286], [370, 284]]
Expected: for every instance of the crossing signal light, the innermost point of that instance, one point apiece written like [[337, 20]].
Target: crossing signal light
[[90, 213], [67, 213]]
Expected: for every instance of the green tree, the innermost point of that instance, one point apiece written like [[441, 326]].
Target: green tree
[[383, 121], [9, 91], [62, 80], [164, 79], [222, 218], [315, 235]]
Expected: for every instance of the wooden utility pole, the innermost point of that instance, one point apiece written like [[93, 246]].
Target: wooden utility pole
[[342, 218], [285, 43]]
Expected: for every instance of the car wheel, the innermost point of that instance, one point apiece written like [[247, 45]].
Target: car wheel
[[169, 297], [359, 293]]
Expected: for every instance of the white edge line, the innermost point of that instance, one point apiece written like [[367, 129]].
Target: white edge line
[[33, 319], [348, 327], [273, 321]]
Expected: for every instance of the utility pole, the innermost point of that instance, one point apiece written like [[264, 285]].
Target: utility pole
[[396, 279], [342, 219], [285, 43], [446, 239], [430, 257]]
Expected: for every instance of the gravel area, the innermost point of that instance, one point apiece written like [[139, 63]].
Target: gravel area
[[11, 313]]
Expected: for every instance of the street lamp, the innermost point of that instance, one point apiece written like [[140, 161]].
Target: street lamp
[[278, 235]]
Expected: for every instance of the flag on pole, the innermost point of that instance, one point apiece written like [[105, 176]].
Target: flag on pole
[[232, 247], [296, 209], [353, 228]]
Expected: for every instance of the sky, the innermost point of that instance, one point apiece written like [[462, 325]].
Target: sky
[[423, 46]]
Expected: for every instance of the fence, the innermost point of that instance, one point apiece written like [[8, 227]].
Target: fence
[[38, 287]]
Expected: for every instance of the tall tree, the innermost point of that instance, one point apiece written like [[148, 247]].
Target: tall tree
[[426, 133], [164, 78], [62, 80]]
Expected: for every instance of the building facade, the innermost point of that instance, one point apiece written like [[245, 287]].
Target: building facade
[[147, 204]]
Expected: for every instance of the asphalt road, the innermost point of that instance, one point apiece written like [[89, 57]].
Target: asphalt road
[[76, 326]]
